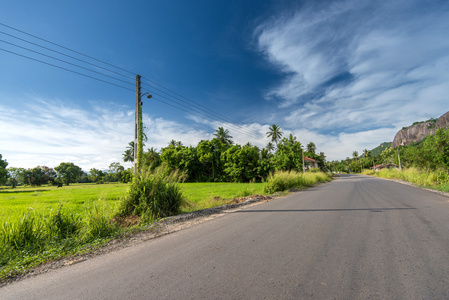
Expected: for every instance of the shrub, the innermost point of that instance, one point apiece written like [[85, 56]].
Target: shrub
[[153, 195], [416, 176], [284, 180], [62, 224]]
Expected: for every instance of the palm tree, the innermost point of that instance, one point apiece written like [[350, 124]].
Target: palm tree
[[366, 153], [269, 147], [128, 155], [223, 135], [355, 155], [275, 133], [311, 147]]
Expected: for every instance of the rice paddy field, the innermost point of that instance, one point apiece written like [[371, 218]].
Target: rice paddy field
[[80, 197]]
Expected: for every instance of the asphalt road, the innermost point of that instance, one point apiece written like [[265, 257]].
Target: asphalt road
[[354, 238]]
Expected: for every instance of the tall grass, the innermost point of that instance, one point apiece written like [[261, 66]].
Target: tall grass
[[35, 237], [153, 195], [416, 176], [283, 180]]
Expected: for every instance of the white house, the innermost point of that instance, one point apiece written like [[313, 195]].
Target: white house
[[310, 163]]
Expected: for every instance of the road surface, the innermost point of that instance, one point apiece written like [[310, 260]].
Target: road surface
[[354, 238]]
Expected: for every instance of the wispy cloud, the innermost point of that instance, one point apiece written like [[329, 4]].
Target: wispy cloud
[[48, 132], [353, 68]]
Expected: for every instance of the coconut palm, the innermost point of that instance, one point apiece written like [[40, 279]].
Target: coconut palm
[[366, 153], [128, 155], [311, 147], [269, 147], [275, 133], [355, 155], [223, 135]]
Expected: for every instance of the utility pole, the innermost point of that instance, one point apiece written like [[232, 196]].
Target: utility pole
[[137, 128], [399, 158], [303, 167]]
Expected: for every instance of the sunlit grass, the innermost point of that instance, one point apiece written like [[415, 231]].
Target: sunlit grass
[[209, 194], [283, 180], [438, 179]]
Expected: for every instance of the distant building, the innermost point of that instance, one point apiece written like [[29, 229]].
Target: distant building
[[310, 163]]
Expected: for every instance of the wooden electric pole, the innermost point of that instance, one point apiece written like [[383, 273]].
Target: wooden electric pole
[[137, 128]]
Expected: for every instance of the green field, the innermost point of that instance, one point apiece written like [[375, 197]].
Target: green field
[[78, 197], [15, 202]]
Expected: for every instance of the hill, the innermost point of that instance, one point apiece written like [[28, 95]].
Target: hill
[[420, 130], [378, 150]]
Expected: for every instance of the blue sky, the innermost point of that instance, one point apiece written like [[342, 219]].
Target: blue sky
[[346, 75]]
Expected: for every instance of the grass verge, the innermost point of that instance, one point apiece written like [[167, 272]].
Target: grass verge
[[438, 180]]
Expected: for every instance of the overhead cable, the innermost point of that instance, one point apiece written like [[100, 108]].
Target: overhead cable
[[59, 67], [64, 61], [74, 51], [81, 60]]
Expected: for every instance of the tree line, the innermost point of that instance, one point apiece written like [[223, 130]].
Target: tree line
[[215, 160], [64, 173], [221, 160], [431, 153]]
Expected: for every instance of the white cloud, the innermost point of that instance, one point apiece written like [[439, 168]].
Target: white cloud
[[48, 132], [396, 55]]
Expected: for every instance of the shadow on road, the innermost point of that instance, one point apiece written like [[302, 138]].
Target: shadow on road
[[327, 209]]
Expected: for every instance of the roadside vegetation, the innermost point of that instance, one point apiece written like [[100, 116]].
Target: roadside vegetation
[[47, 213], [438, 180], [41, 226], [425, 163]]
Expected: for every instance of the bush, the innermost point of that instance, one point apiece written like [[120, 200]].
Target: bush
[[284, 180], [62, 224], [416, 176], [153, 195]]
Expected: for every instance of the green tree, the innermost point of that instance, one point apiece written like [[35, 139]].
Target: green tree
[[128, 155], [241, 163], [366, 153], [96, 175], [3, 171], [113, 174], [14, 175], [275, 133], [288, 155], [223, 136], [269, 147], [175, 143], [69, 172], [311, 147], [151, 159]]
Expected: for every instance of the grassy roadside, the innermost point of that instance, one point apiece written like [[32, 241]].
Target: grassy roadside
[[45, 224], [437, 180]]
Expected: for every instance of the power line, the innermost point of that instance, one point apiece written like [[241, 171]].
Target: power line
[[190, 110], [190, 104], [209, 112], [84, 61], [61, 60], [59, 67], [85, 55], [190, 100], [233, 127]]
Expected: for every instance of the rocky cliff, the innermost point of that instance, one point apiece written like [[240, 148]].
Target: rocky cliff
[[417, 132]]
